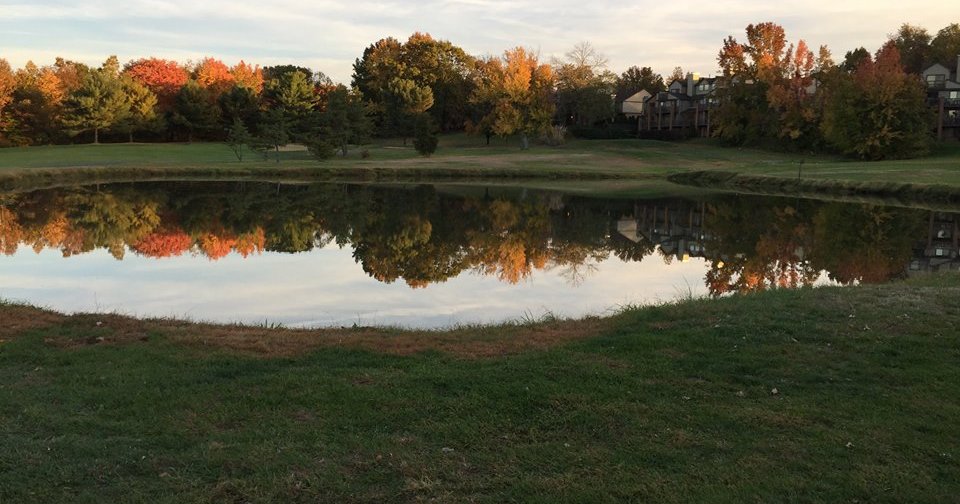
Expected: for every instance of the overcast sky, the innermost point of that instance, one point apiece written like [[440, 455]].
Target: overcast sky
[[328, 35]]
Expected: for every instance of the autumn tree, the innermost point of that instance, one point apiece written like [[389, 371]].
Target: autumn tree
[[879, 111], [515, 93], [163, 77], [100, 103], [248, 77], [7, 85], [36, 107], [793, 98], [213, 75], [422, 64], [443, 68], [767, 89], [70, 74]]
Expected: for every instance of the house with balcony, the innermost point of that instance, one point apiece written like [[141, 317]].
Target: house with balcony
[[684, 108], [943, 94]]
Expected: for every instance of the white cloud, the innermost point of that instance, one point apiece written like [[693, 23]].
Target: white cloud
[[330, 34]]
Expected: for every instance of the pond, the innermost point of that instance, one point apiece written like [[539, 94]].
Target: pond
[[312, 255]]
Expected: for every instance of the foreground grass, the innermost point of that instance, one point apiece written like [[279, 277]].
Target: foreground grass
[[665, 404]]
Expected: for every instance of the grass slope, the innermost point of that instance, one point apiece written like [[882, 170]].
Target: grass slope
[[663, 404]]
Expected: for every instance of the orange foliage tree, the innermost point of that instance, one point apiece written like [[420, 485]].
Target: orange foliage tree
[[248, 76], [214, 75], [163, 77]]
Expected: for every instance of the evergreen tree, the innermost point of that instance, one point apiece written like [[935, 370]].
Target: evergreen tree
[[143, 109], [194, 110], [425, 139], [274, 133], [100, 103], [344, 121], [237, 137]]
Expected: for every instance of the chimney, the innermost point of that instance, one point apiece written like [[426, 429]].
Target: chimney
[[692, 79]]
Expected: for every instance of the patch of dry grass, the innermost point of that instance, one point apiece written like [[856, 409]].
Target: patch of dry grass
[[468, 342]]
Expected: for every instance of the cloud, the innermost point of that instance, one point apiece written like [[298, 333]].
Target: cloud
[[329, 35]]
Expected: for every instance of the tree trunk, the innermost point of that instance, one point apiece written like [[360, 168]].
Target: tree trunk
[[130, 136], [96, 135], [278, 153], [524, 142]]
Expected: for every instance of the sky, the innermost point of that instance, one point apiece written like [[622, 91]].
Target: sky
[[328, 35], [327, 287]]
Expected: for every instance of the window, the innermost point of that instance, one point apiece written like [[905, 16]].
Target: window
[[953, 95], [936, 80]]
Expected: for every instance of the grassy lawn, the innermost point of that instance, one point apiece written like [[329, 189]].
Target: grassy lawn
[[469, 156], [813, 395]]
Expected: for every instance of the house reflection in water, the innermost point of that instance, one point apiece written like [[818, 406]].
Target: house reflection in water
[[676, 227], [803, 235], [941, 252]]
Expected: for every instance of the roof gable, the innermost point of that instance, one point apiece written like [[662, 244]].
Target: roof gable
[[639, 96], [936, 69]]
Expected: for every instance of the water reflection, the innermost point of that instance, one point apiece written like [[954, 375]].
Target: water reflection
[[424, 235]]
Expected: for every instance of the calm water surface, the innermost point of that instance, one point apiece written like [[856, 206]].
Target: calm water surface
[[425, 256]]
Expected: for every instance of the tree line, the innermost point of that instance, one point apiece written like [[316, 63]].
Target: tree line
[[872, 106], [415, 88]]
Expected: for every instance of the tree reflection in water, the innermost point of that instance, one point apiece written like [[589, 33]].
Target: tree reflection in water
[[423, 235]]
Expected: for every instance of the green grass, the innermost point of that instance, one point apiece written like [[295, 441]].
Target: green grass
[[663, 404], [469, 156]]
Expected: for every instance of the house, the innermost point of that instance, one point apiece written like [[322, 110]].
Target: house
[[943, 94], [632, 106], [685, 107]]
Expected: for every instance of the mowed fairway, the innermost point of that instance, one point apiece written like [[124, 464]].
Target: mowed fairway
[[813, 395], [466, 154]]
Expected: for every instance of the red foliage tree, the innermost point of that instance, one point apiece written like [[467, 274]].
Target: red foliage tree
[[164, 243], [163, 77]]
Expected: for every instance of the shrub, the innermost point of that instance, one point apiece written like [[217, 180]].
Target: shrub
[[424, 139]]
